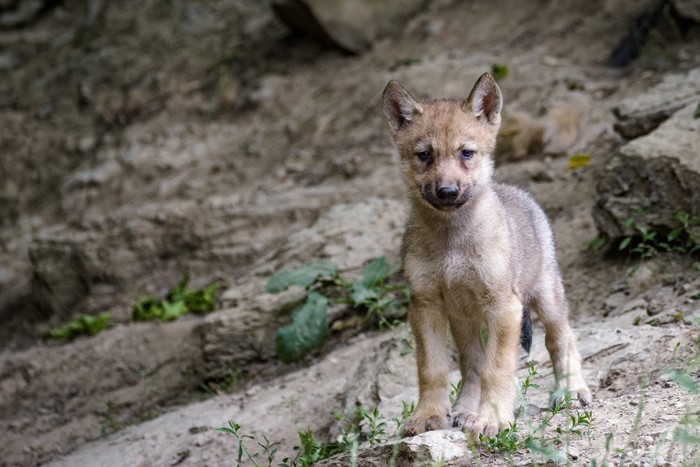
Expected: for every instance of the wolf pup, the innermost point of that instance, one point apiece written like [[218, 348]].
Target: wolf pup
[[477, 254]]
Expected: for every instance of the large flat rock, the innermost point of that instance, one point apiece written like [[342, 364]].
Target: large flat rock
[[642, 113], [351, 25]]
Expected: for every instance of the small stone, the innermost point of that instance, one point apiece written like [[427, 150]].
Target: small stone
[[573, 453], [615, 300]]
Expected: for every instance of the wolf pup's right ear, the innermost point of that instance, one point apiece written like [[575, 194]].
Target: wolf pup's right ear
[[485, 100], [400, 108]]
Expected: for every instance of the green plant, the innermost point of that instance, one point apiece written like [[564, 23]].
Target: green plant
[[374, 295], [84, 325], [376, 426], [305, 276], [242, 452], [404, 62], [454, 391], [545, 437], [179, 300], [224, 381], [499, 71], [646, 244], [308, 330]]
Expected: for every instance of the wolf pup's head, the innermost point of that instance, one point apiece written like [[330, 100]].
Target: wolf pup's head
[[446, 146]]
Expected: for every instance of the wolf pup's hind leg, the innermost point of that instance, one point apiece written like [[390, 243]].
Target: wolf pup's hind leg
[[551, 306]]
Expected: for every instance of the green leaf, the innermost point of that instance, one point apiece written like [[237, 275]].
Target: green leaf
[[696, 114], [147, 308], [303, 276], [179, 291], [625, 243], [202, 300], [84, 325], [685, 380], [596, 243], [309, 329], [172, 311], [376, 272], [549, 453], [360, 294], [578, 161], [499, 71]]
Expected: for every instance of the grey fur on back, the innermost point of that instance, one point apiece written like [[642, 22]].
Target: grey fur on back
[[533, 255]]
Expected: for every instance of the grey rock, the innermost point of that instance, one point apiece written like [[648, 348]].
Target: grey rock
[[69, 261], [351, 25], [688, 9], [448, 447], [651, 179], [615, 300], [638, 305], [244, 333], [643, 113], [340, 237], [380, 377], [9, 60]]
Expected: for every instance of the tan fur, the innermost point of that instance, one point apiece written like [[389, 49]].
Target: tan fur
[[475, 253]]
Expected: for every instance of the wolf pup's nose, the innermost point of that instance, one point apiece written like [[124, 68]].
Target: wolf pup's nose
[[447, 193]]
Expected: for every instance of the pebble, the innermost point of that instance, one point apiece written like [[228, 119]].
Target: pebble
[[573, 453]]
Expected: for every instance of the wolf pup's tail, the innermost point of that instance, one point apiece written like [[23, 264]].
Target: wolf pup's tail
[[526, 331]]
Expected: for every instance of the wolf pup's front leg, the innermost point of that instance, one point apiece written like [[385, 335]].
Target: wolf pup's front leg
[[429, 325], [495, 410]]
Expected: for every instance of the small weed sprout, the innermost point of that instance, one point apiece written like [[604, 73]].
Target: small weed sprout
[[539, 438], [454, 391]]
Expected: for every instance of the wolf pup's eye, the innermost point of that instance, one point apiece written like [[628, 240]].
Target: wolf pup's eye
[[467, 154], [424, 156]]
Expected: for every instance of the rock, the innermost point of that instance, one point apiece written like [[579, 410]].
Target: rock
[[689, 9], [642, 113], [446, 447], [68, 261], [245, 332], [9, 60], [615, 300], [385, 374], [638, 305], [338, 237], [85, 389], [651, 179], [351, 25], [24, 13]]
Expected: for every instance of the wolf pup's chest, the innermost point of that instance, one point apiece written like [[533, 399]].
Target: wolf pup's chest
[[448, 268]]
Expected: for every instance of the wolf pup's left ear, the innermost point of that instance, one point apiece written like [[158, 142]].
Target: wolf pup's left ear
[[400, 108], [485, 100]]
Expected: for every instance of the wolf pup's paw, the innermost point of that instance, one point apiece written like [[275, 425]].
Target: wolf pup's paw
[[416, 424], [580, 398], [481, 423], [459, 420]]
